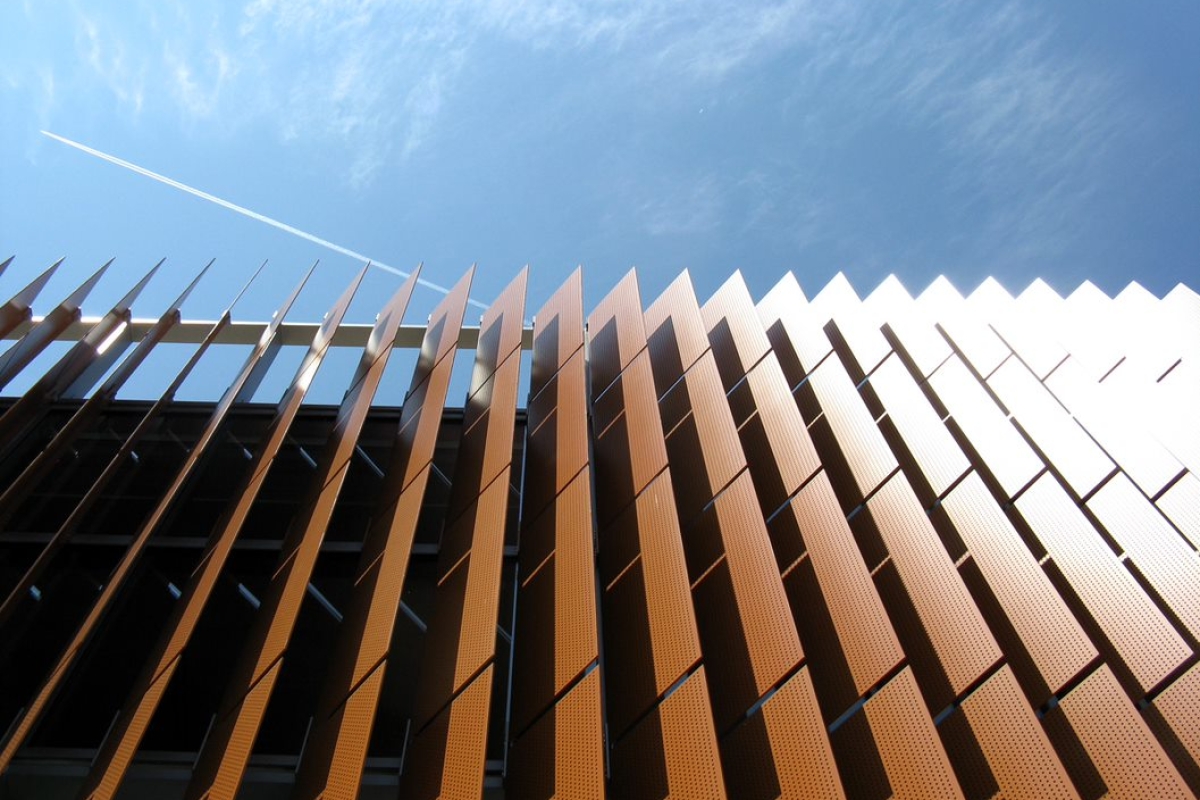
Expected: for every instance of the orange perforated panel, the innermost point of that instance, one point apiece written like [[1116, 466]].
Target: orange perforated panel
[[1044, 627], [616, 333], [1178, 704], [912, 755], [442, 334], [863, 630], [794, 331], [939, 459], [562, 755], [672, 752], [758, 595], [500, 330], [446, 759], [867, 455], [1117, 742], [675, 333], [948, 619], [1002, 727], [647, 451], [486, 445], [557, 636], [1002, 452], [650, 631], [221, 765], [672, 624], [737, 339], [576, 643], [335, 760], [749, 639], [703, 447], [558, 332], [1065, 444], [418, 430], [783, 750], [786, 447], [1138, 632], [1159, 552], [246, 696]]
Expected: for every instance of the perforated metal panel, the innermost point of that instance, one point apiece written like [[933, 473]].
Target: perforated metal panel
[[909, 747], [675, 332], [764, 635], [1001, 726], [1181, 504], [1117, 742], [1160, 554], [1065, 444], [858, 439], [1044, 628], [1002, 452], [1177, 704], [672, 752], [738, 342], [446, 758], [962, 646], [863, 632], [1139, 634], [936, 457]]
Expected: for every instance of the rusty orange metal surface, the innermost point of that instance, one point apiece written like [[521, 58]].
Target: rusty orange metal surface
[[616, 333], [783, 749], [446, 759], [223, 759], [558, 332]]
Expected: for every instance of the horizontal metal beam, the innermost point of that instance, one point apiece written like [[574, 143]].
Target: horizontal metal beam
[[290, 333]]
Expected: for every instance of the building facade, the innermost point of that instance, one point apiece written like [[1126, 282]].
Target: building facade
[[754, 548]]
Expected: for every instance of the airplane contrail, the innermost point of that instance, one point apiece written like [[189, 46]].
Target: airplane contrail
[[245, 212]]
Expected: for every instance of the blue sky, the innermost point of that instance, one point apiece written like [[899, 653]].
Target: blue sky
[[967, 139]]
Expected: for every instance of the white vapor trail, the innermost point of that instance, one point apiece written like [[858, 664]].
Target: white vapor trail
[[245, 212]]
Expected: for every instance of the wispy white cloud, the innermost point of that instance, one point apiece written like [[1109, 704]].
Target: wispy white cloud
[[377, 79], [683, 207], [196, 85], [107, 60]]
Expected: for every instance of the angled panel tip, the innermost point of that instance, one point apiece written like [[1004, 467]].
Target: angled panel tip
[[125, 302], [76, 298], [24, 298], [183, 296]]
